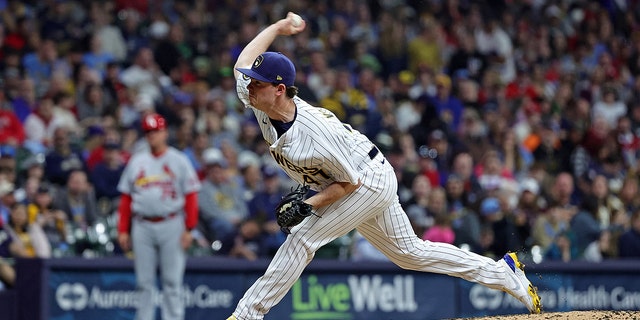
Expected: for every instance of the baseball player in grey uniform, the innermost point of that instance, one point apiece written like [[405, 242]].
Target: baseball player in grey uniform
[[158, 209], [356, 188]]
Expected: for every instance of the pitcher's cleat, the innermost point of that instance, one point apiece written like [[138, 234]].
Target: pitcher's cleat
[[232, 318], [519, 286]]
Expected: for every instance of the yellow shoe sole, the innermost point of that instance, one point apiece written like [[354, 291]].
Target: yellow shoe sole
[[533, 291]]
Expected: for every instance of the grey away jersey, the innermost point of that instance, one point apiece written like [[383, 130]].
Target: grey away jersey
[[157, 185], [306, 152]]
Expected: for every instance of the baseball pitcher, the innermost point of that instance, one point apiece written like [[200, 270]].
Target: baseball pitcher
[[356, 188]]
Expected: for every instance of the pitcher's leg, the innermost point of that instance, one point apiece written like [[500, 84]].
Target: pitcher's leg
[[145, 262], [283, 271], [393, 235]]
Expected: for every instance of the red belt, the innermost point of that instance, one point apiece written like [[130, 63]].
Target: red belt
[[158, 218]]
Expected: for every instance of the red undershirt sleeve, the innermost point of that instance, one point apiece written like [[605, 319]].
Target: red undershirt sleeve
[[191, 210], [124, 209]]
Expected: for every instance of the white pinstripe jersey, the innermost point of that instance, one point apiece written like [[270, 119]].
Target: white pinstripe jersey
[[318, 149]]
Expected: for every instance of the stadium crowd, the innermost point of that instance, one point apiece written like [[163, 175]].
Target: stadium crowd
[[513, 125]]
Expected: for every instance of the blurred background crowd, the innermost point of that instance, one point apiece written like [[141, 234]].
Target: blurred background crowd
[[512, 125]]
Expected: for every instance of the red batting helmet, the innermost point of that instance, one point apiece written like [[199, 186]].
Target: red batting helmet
[[153, 122]]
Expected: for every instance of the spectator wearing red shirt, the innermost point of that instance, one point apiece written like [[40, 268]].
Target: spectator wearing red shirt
[[11, 130]]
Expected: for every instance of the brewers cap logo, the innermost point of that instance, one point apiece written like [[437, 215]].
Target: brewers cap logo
[[258, 61]]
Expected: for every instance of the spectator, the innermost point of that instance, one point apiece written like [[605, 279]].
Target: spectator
[[448, 106], [25, 99], [6, 200], [549, 152], [41, 64], [93, 104], [244, 242], [113, 88], [58, 24], [9, 248], [473, 133], [629, 194], [348, 102], [392, 43], [40, 124], [428, 164], [320, 78], [31, 167], [143, 75], [464, 221], [562, 191], [92, 146], [133, 38], [106, 174], [610, 212], [8, 163], [530, 206], [221, 202], [425, 51], [170, 51], [53, 221], [549, 225], [109, 35], [417, 207], [494, 42], [493, 176], [61, 159], [29, 235], [441, 231], [250, 173], [249, 137], [562, 248], [263, 206], [467, 58], [610, 108], [463, 167], [95, 147], [77, 200], [497, 218], [64, 111], [11, 129], [629, 242], [97, 58], [586, 230]]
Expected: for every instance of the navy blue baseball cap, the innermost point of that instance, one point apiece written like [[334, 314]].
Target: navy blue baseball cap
[[272, 67]]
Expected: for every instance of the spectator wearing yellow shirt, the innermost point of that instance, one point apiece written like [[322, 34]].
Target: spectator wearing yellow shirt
[[52, 221], [30, 236], [425, 50]]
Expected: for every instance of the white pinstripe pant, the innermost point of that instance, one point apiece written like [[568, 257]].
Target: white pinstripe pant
[[374, 210]]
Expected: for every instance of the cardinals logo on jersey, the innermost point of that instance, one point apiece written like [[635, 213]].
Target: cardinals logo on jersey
[[163, 180], [145, 181], [168, 171], [139, 180]]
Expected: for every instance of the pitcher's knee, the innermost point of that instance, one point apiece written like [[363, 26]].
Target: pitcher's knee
[[407, 265], [300, 245], [408, 260]]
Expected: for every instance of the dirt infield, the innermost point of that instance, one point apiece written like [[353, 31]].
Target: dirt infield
[[573, 315]]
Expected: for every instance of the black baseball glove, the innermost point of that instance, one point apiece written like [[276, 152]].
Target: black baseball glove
[[292, 209]]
